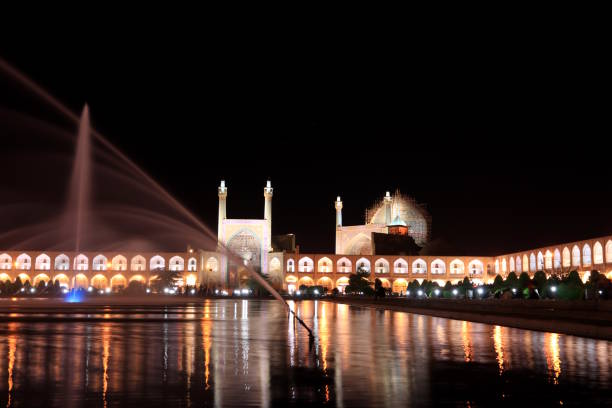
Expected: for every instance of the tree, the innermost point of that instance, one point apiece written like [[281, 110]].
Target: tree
[[379, 290], [512, 281], [499, 285], [466, 286], [165, 278], [540, 281], [359, 283]]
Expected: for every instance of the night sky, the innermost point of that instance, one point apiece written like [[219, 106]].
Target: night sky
[[504, 158]]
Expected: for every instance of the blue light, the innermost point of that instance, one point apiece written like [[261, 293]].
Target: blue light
[[74, 297]]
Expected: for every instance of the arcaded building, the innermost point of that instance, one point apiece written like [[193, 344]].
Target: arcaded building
[[247, 244]]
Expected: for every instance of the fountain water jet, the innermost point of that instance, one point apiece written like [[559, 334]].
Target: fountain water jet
[[80, 179]]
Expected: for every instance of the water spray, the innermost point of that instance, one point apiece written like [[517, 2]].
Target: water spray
[[42, 93]]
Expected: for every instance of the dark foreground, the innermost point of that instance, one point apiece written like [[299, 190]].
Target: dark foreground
[[248, 353]]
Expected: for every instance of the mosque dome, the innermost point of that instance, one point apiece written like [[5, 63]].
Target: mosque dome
[[405, 212]]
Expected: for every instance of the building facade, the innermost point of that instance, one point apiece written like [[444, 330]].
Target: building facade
[[245, 244]]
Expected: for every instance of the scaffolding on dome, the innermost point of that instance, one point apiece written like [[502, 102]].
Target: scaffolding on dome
[[412, 213]]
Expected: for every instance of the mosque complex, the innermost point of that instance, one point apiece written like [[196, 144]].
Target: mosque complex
[[387, 246]]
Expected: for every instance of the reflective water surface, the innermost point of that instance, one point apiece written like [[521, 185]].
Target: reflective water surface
[[249, 353]]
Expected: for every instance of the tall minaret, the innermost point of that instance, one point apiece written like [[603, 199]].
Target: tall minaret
[[222, 202], [268, 212], [387, 208], [338, 205]]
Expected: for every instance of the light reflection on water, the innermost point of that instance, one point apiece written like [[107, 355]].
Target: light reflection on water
[[250, 353]]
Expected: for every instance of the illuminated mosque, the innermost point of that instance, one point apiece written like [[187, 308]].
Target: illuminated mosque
[[387, 247]]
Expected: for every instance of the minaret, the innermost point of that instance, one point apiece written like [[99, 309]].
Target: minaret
[[338, 205], [268, 212], [222, 202], [387, 208]]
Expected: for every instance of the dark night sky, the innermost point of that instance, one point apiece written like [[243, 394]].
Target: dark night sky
[[506, 155]]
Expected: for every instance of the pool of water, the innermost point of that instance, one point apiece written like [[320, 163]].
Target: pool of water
[[250, 353]]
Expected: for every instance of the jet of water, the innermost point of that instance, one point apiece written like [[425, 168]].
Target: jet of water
[[80, 179]]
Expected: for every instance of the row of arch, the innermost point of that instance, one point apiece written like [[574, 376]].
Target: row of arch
[[557, 259], [99, 263], [80, 280], [399, 285], [381, 265]]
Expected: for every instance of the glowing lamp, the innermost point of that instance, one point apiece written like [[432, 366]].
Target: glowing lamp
[[420, 292], [191, 280], [455, 291], [553, 289], [479, 291], [437, 292], [108, 290]]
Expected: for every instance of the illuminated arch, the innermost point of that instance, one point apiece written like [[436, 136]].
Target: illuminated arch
[[99, 281], [212, 265], [306, 264], [24, 277], [438, 267], [344, 265], [138, 263], [419, 266], [81, 263], [6, 262], [609, 251], [192, 265], [598, 257], [62, 262], [360, 244], [23, 262], [400, 286], [557, 259], [290, 265], [525, 263], [519, 265], [575, 256], [475, 267], [99, 263], [191, 279], [42, 262], [118, 282], [81, 281], [385, 283], [176, 263], [532, 262], [381, 266], [342, 283], [512, 264], [363, 264], [586, 255], [291, 279], [504, 266], [41, 277], [306, 280], [326, 283], [567, 259], [548, 257], [325, 265], [4, 277], [457, 267], [138, 278], [401, 266], [64, 281], [156, 263], [540, 261], [119, 263]]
